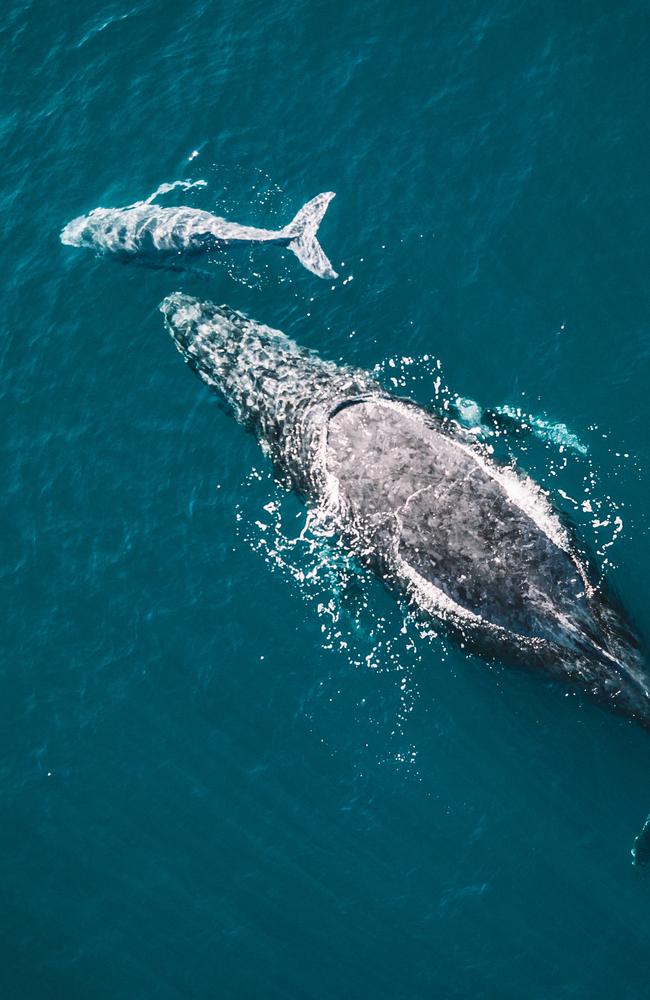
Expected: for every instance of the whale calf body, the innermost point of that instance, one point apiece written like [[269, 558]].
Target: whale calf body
[[155, 233], [472, 544]]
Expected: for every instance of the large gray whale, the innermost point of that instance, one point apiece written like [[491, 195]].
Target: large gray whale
[[474, 545], [156, 234]]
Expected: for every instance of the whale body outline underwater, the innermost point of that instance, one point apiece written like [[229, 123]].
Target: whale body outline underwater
[[151, 232]]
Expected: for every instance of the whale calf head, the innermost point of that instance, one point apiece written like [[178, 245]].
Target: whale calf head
[[75, 231]]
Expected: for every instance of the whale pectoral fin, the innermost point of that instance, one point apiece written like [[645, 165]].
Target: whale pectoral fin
[[641, 847], [304, 243], [165, 188]]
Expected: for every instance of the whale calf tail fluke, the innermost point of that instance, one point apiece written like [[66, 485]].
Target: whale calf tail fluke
[[641, 848], [303, 229]]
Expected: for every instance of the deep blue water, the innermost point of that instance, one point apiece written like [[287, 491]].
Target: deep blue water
[[231, 766]]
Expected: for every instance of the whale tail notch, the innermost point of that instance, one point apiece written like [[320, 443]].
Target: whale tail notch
[[303, 231], [641, 848]]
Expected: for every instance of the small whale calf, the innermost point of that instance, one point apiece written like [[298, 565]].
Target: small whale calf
[[470, 543], [154, 233]]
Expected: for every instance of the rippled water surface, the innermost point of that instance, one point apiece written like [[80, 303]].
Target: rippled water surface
[[232, 765]]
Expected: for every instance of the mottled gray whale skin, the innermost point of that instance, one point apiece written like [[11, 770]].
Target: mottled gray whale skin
[[155, 233], [472, 544]]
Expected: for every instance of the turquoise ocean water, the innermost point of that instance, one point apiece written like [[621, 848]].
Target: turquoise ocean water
[[232, 765]]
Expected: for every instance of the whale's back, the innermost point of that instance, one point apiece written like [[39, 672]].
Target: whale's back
[[453, 524], [478, 546]]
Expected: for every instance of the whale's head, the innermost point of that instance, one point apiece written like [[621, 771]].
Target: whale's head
[[90, 230], [73, 233], [278, 390], [194, 325], [205, 334], [243, 360]]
